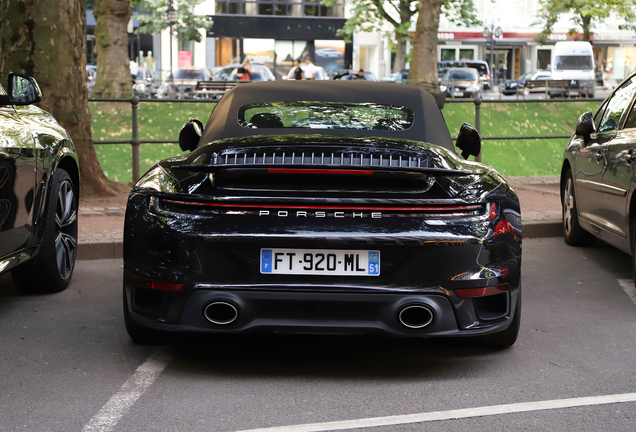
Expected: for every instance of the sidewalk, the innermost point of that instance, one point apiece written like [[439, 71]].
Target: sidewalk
[[101, 221]]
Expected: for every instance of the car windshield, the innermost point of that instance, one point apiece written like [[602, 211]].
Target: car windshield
[[325, 115], [526, 76], [192, 74], [461, 75], [573, 62]]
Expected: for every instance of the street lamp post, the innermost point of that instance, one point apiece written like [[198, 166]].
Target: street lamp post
[[490, 32], [171, 17]]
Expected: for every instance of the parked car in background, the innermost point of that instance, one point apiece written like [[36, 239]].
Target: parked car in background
[[398, 77], [462, 82], [480, 65], [353, 75], [182, 83], [323, 207], [228, 72], [511, 87], [39, 191], [597, 174], [146, 84], [91, 76]]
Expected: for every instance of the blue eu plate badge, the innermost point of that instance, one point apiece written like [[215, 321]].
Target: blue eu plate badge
[[374, 263], [266, 260]]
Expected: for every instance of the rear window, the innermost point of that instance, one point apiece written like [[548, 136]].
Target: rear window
[[571, 62], [461, 75], [325, 115]]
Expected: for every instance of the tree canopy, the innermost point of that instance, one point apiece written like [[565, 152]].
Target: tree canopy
[[586, 14], [154, 22], [374, 15]]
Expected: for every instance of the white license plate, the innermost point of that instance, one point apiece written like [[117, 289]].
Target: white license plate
[[458, 94], [320, 262]]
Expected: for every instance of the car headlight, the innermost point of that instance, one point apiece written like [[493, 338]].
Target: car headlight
[[473, 88]]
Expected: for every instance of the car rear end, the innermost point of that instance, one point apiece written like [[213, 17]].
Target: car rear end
[[300, 234]]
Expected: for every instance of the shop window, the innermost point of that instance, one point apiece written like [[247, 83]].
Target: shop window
[[448, 54], [467, 54]]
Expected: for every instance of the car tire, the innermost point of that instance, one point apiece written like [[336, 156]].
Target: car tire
[[573, 234], [138, 333], [508, 337], [51, 269]]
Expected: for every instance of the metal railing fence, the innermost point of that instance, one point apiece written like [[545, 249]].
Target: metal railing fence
[[135, 140]]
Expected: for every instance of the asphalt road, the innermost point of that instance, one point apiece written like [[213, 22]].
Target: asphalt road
[[68, 365]]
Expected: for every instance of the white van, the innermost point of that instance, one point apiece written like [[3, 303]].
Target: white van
[[574, 61]]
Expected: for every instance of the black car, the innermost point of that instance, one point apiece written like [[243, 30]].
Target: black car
[[597, 176], [39, 191], [512, 87], [324, 207]]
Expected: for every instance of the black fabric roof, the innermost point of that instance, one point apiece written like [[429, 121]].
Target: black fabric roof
[[428, 124]]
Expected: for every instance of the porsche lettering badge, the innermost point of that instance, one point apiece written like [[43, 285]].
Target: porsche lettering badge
[[321, 214]]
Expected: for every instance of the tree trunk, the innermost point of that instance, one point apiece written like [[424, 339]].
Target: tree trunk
[[46, 39], [586, 24], [400, 56], [111, 46], [423, 70]]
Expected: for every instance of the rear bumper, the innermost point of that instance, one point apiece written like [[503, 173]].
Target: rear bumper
[[332, 313]]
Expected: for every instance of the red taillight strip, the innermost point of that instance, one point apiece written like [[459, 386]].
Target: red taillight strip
[[319, 171], [163, 286], [481, 292], [266, 206]]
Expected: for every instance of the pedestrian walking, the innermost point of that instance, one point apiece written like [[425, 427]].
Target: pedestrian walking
[[310, 69], [296, 72], [244, 73]]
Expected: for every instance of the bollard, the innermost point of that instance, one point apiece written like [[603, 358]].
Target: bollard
[[477, 102], [134, 102]]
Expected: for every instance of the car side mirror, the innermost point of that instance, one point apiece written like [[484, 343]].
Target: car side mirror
[[190, 135], [585, 125], [23, 89], [468, 141]]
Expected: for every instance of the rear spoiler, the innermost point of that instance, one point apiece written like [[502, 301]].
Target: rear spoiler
[[325, 169]]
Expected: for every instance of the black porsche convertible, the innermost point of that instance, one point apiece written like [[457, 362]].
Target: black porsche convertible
[[324, 207]]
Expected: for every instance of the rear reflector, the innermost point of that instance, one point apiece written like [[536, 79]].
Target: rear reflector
[[318, 171], [163, 286], [481, 292]]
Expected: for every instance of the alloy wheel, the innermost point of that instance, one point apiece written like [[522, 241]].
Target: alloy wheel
[[65, 230]]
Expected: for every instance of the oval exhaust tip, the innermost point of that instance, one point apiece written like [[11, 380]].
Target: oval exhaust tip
[[415, 316], [220, 313]]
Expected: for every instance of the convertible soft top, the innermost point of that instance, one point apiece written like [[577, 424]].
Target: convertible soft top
[[428, 124]]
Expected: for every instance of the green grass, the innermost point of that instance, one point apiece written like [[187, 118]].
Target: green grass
[[112, 121]]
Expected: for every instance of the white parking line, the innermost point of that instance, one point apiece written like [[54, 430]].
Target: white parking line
[[119, 404], [453, 414], [628, 287]]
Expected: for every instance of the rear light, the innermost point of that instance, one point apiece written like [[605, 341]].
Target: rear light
[[481, 292], [503, 227], [162, 286], [319, 171], [493, 211]]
